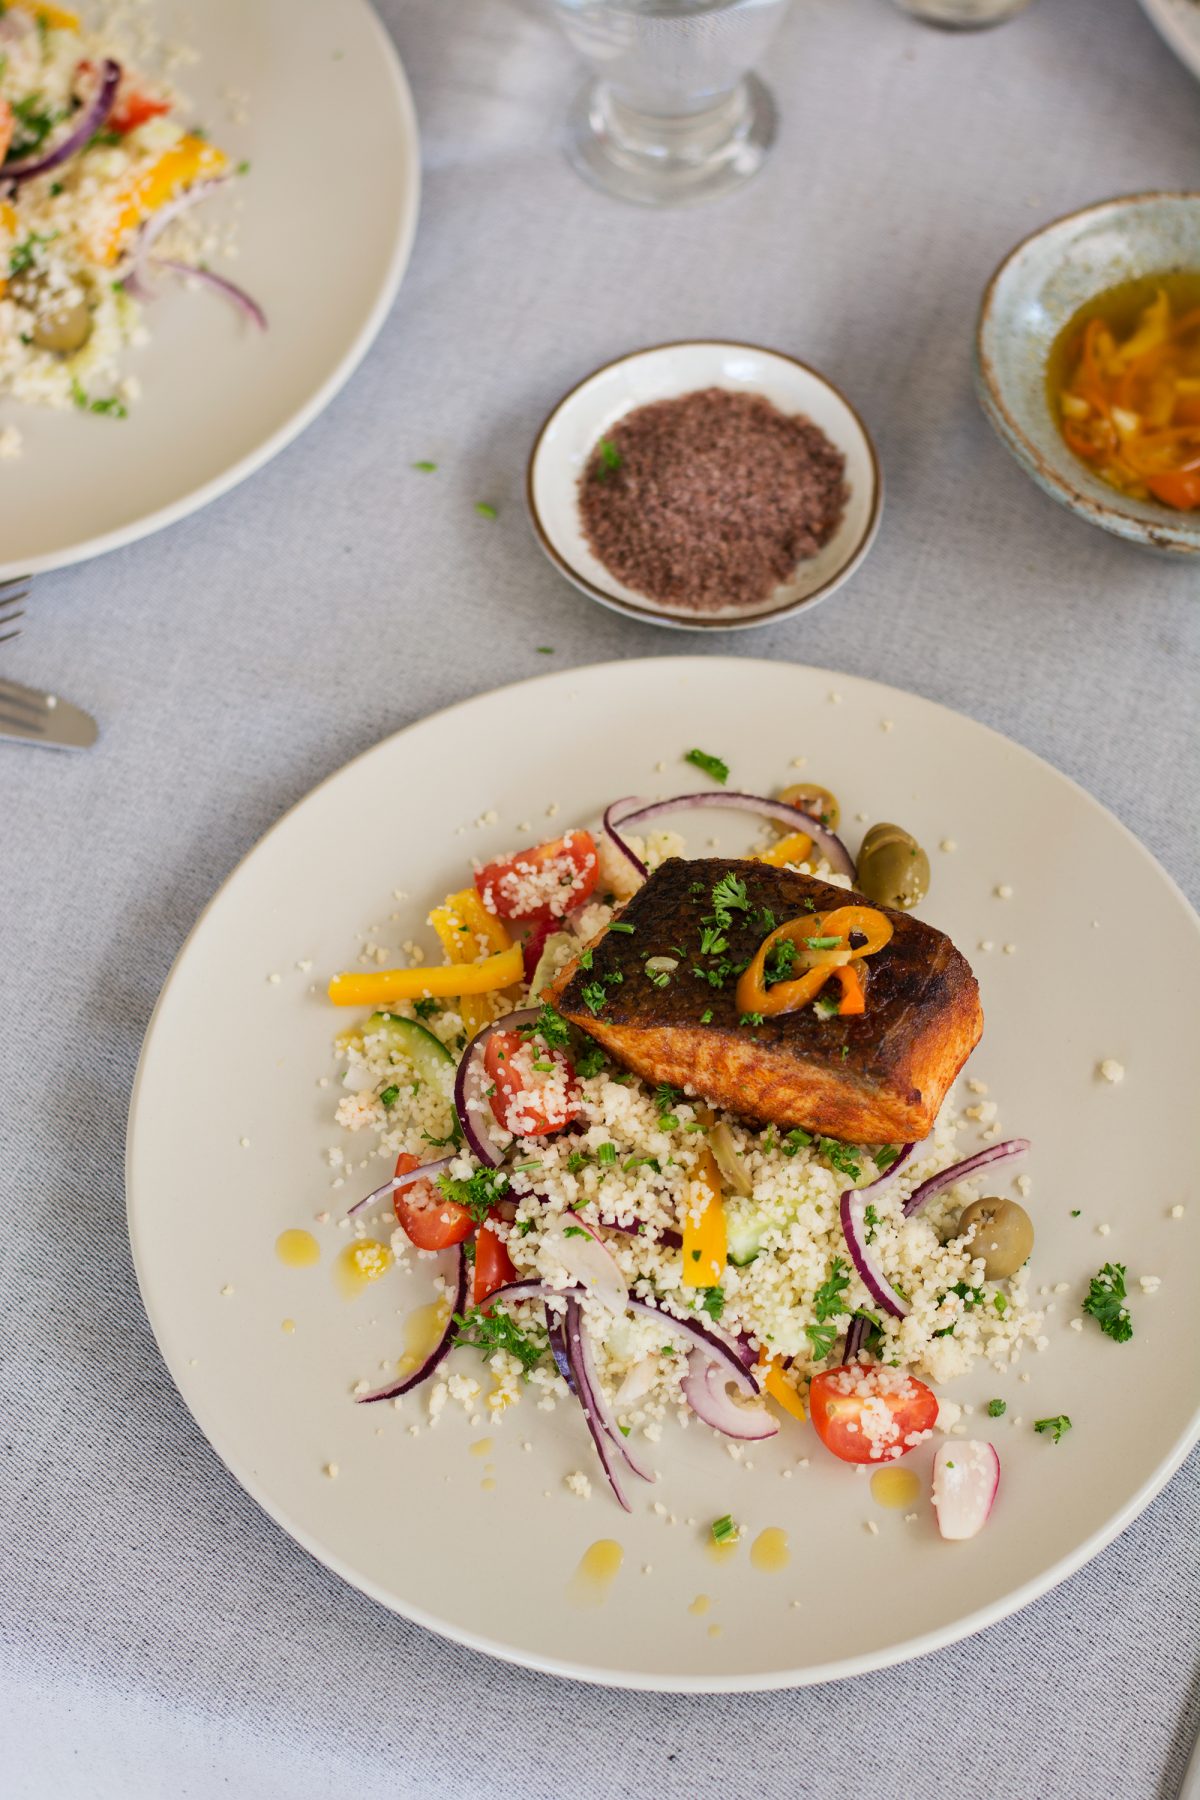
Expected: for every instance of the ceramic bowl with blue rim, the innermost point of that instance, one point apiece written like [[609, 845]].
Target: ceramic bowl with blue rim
[[1035, 291]]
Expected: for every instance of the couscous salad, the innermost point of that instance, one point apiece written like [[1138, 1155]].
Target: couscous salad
[[97, 168], [676, 1137]]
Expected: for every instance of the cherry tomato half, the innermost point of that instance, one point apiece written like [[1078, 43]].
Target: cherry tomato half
[[870, 1413], [493, 1266], [132, 106], [533, 1088], [547, 881], [428, 1219]]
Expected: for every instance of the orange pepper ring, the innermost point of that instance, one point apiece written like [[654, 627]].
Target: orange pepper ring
[[753, 995]]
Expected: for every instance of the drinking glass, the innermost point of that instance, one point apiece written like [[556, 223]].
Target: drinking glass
[[963, 15], [671, 113]]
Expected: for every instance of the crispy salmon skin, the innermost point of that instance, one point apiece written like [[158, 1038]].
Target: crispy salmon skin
[[876, 1078]]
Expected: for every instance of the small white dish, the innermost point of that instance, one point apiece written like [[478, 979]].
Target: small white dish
[[584, 415]]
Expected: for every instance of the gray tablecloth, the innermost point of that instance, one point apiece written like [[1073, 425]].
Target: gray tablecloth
[[159, 1635]]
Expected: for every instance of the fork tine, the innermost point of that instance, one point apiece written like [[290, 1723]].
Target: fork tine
[[10, 618], [16, 699], [16, 587], [6, 637]]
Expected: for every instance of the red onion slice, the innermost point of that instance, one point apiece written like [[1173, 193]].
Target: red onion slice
[[238, 296], [586, 1362], [830, 846], [88, 122], [130, 267], [966, 1475], [558, 1347], [474, 1113], [618, 843], [440, 1350], [426, 1172], [856, 1337], [706, 1390], [732, 1356], [590, 1401], [962, 1171], [853, 1208]]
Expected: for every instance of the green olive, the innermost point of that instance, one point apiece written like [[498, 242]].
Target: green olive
[[1003, 1234], [815, 800], [60, 324], [892, 867]]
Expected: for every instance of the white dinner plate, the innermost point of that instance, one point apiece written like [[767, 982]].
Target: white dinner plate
[[314, 98], [229, 1128], [1178, 22]]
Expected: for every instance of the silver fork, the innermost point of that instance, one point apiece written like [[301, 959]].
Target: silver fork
[[27, 716], [13, 595]]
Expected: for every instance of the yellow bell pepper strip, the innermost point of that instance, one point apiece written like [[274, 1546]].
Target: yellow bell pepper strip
[[704, 1238], [56, 17], [8, 224], [773, 1381], [192, 159], [460, 923], [794, 848], [380, 987]]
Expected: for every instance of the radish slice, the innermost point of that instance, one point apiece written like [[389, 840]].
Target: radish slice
[[706, 1390], [966, 1474], [587, 1261]]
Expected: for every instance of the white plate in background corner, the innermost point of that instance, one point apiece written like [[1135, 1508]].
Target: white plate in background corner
[[1178, 24], [407, 1521], [220, 398]]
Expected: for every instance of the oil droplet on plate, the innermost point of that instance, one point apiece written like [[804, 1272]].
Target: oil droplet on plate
[[895, 1487], [288, 1325], [360, 1264], [700, 1604], [597, 1569], [714, 1631], [721, 1552], [481, 1447], [487, 1484], [422, 1330], [298, 1249], [769, 1550]]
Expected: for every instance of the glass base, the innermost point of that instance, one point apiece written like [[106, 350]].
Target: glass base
[[670, 161]]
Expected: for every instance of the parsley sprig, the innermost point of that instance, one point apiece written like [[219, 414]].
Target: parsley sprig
[[489, 1332], [1106, 1303], [827, 1305], [551, 1027], [478, 1193], [1055, 1428], [711, 765]]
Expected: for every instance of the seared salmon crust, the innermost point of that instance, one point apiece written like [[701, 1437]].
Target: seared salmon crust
[[876, 1078]]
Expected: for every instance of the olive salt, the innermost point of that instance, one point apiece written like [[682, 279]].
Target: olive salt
[[1003, 1234]]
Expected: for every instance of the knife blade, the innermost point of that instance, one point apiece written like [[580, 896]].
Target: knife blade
[[28, 716]]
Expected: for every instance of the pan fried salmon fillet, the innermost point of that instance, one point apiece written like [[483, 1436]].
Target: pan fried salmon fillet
[[875, 1078]]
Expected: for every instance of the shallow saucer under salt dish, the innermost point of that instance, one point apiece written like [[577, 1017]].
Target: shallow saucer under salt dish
[[1029, 299], [568, 437]]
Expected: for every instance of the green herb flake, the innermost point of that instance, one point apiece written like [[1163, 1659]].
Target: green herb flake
[[575, 1231], [479, 1193], [997, 1408], [843, 1158], [724, 1531], [713, 1302], [489, 1332], [706, 1016], [1076, 1212], [871, 1221], [551, 1027], [1055, 1428], [425, 468], [610, 459], [751, 1018], [1106, 1303], [620, 925], [425, 1009], [711, 765], [796, 1140], [590, 1062], [389, 1095], [828, 1304], [594, 995], [823, 943], [607, 1153], [585, 958], [486, 510]]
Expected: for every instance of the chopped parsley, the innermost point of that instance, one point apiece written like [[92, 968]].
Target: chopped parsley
[[114, 408], [751, 1018], [36, 120], [607, 1153], [825, 1006], [780, 961], [871, 1221], [997, 1408], [1054, 1428], [610, 459], [640, 1162], [712, 940], [724, 1531], [489, 1332], [713, 1302], [827, 1304], [577, 1160], [660, 977], [728, 897], [594, 995], [575, 1231], [796, 1140], [485, 509], [426, 468], [711, 765], [620, 925], [479, 1193], [706, 1016], [885, 1156], [1076, 1212], [842, 1157], [425, 1009], [389, 1095], [1106, 1303], [590, 1061], [545, 649], [585, 958], [22, 255], [551, 1027], [823, 943]]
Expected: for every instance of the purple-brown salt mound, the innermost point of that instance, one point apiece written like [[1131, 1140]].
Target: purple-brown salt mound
[[710, 500]]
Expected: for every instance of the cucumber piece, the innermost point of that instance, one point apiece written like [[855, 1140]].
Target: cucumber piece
[[427, 1054], [557, 952], [745, 1227]]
